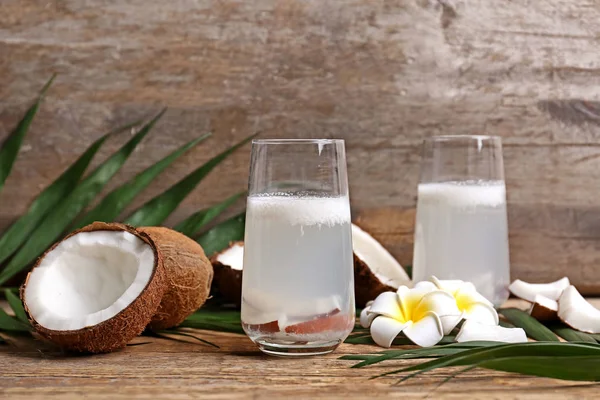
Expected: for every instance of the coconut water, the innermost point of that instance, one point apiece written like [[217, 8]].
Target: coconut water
[[298, 284], [461, 233]]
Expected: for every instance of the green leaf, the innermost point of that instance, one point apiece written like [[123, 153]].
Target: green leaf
[[9, 150], [221, 321], [46, 201], [579, 368], [155, 211], [191, 225], [436, 351], [221, 235], [478, 355], [15, 304], [572, 335], [8, 323], [63, 214], [532, 326], [115, 202]]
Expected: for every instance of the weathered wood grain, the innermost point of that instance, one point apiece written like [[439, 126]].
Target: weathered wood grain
[[380, 74], [186, 369]]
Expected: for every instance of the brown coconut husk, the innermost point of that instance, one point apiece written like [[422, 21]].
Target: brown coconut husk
[[189, 275], [366, 285], [117, 331]]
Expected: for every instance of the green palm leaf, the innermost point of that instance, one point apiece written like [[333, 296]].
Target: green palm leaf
[[571, 335], [63, 214], [195, 222], [530, 325], [46, 201], [115, 202], [8, 323], [11, 146], [479, 355], [155, 211], [221, 235], [579, 368], [15, 304]]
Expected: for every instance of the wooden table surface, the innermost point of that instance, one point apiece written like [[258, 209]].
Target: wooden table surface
[[186, 369]]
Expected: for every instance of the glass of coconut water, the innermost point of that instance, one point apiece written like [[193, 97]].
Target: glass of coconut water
[[461, 226], [298, 282]]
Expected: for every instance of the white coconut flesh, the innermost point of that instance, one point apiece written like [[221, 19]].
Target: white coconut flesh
[[528, 291], [87, 279], [577, 312], [472, 331], [383, 265], [233, 257]]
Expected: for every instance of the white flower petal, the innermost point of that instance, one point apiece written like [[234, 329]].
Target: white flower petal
[[482, 313], [426, 332], [425, 285], [468, 294], [451, 286], [410, 298], [443, 305], [472, 330], [384, 330], [366, 318], [386, 304], [449, 322]]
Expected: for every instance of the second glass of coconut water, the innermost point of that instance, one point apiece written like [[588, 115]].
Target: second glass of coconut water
[[461, 226], [298, 282]]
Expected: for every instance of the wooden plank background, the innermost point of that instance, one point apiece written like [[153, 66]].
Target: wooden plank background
[[380, 74]]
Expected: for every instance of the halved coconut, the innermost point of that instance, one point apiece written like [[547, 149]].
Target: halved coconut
[[96, 289], [528, 291], [544, 309], [228, 266], [577, 312], [375, 270], [189, 275]]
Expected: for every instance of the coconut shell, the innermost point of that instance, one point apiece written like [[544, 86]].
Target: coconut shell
[[366, 285], [115, 332], [189, 276], [227, 284]]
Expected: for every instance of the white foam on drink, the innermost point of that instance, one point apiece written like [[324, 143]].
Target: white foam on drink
[[463, 194], [300, 210]]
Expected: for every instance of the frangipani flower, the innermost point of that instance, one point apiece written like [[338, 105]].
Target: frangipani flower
[[415, 312], [471, 303]]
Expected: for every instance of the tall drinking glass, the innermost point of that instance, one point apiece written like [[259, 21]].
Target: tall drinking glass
[[461, 227], [298, 281]]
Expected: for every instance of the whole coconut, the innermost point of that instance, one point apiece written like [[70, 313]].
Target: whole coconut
[[189, 275]]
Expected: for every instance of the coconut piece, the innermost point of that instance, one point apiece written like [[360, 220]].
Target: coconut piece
[[577, 312], [544, 309], [528, 291], [472, 330], [228, 265], [375, 270], [96, 289], [381, 263], [189, 276]]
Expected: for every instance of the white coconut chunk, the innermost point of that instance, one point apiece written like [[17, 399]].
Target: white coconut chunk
[[380, 261], [472, 331], [577, 312], [88, 278], [233, 256], [543, 308], [259, 307], [528, 291]]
